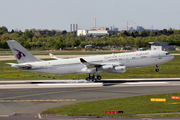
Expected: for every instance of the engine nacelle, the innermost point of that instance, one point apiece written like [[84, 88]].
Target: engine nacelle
[[120, 69], [106, 67], [117, 69]]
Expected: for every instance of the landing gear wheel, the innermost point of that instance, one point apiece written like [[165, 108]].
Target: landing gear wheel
[[91, 78], [157, 70], [94, 80], [98, 77], [87, 78]]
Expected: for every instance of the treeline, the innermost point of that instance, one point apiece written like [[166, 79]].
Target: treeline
[[46, 39]]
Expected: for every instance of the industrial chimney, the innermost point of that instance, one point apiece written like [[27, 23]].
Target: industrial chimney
[[70, 28], [76, 27], [95, 22]]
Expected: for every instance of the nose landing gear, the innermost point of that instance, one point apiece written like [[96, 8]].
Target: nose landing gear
[[157, 70]]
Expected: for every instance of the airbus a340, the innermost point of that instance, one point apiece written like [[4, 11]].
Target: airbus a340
[[115, 63]]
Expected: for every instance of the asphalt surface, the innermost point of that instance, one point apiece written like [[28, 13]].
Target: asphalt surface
[[25, 103]]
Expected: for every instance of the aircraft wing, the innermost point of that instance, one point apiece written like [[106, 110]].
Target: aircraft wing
[[95, 65], [53, 56]]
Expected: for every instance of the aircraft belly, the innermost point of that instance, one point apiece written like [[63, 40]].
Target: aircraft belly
[[140, 62], [162, 60], [59, 70], [66, 70]]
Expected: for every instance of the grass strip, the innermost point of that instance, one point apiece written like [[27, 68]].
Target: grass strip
[[130, 105]]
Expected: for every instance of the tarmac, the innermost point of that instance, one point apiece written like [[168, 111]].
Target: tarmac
[[20, 101]]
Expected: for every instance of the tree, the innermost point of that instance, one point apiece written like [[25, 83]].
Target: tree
[[33, 30], [59, 44], [124, 33], [48, 34], [137, 43], [170, 31], [28, 34], [133, 35], [136, 33], [153, 33], [5, 37], [64, 32], [3, 30], [145, 33], [4, 45], [53, 32], [27, 45], [12, 31], [76, 42]]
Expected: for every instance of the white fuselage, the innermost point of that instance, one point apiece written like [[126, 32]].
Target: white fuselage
[[74, 65]]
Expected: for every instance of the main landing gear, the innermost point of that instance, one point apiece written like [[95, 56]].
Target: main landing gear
[[157, 70], [92, 77]]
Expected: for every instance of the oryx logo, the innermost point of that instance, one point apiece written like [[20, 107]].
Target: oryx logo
[[20, 54]]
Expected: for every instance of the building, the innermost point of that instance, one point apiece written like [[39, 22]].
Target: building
[[140, 28], [99, 29], [162, 45], [97, 33], [82, 32]]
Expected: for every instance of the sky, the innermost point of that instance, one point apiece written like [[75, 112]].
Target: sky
[[59, 14]]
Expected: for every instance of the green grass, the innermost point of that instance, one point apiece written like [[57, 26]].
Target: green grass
[[174, 51], [167, 70], [130, 105]]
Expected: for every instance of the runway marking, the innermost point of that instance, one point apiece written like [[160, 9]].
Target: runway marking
[[54, 100], [158, 99], [4, 115]]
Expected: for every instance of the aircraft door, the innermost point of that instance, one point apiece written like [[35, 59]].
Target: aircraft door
[[159, 57], [127, 58]]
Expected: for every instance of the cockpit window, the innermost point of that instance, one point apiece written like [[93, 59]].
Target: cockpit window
[[167, 53]]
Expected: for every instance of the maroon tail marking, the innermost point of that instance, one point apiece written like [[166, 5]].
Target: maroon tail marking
[[19, 55]]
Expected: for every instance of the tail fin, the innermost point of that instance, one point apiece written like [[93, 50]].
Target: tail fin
[[20, 53]]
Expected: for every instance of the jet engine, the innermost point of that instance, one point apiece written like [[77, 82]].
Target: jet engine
[[106, 67], [113, 69]]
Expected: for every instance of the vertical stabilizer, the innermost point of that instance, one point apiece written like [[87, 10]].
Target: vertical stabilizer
[[20, 53]]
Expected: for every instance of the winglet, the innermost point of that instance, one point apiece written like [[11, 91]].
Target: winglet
[[53, 56]]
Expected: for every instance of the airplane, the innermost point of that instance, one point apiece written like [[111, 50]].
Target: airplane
[[114, 63]]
